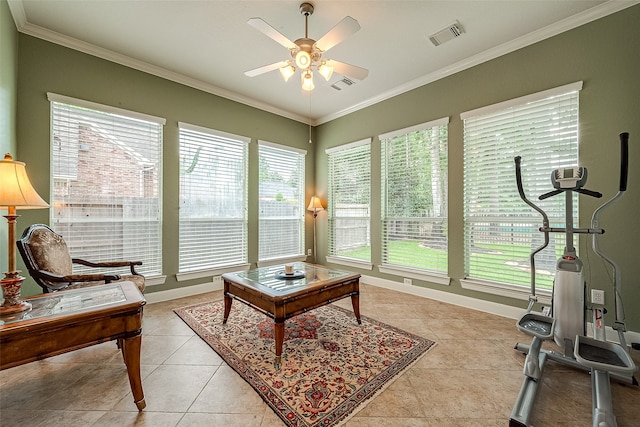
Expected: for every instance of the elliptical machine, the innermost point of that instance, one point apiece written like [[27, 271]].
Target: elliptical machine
[[567, 323]]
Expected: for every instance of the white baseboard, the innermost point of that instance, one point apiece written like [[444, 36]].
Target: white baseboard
[[448, 297], [187, 291]]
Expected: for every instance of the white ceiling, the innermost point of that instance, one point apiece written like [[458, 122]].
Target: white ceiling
[[209, 45]]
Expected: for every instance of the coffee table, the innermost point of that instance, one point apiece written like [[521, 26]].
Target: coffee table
[[63, 321], [280, 297]]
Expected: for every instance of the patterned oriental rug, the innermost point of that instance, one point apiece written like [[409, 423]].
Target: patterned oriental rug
[[331, 366]]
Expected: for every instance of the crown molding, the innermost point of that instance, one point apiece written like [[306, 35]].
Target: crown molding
[[612, 6], [596, 12], [25, 27]]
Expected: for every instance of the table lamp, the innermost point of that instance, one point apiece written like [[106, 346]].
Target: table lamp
[[315, 206], [16, 192]]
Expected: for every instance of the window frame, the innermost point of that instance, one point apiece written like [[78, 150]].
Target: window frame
[[300, 157], [518, 291], [409, 271], [133, 125], [237, 143], [333, 154]]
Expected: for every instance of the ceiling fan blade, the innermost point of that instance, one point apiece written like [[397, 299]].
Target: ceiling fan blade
[[266, 69], [341, 31], [271, 32], [348, 69]]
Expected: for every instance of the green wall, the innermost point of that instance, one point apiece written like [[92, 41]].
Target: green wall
[[605, 54], [8, 96], [47, 67]]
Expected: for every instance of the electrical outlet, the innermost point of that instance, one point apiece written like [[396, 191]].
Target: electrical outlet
[[597, 296], [407, 281], [309, 252], [217, 282]]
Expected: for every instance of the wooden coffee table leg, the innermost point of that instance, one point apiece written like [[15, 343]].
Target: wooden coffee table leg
[[227, 307], [131, 352], [278, 329], [355, 302]]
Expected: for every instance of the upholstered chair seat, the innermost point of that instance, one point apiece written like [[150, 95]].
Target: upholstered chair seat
[[47, 258]]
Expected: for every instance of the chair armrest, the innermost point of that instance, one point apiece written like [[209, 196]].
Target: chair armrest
[[71, 278], [109, 264]]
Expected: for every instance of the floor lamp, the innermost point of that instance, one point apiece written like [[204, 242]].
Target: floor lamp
[[315, 206], [16, 192]]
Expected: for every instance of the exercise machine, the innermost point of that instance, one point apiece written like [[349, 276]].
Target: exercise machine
[[566, 322]]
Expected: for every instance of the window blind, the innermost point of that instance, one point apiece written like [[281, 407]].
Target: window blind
[[349, 200], [213, 198], [500, 229], [414, 197], [281, 201], [106, 186]]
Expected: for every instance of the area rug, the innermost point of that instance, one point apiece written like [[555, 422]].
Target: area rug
[[331, 366]]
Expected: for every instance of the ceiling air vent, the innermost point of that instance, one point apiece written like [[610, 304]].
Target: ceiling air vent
[[341, 84], [451, 32]]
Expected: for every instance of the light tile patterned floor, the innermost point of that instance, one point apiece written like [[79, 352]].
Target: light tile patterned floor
[[471, 378]]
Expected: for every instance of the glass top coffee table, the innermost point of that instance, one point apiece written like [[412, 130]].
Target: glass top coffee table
[[282, 296]]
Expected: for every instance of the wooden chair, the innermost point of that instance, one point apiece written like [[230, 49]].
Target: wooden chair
[[47, 258]]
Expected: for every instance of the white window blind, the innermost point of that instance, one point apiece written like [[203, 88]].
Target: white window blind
[[349, 200], [414, 197], [106, 186], [281, 201], [213, 199], [500, 229]]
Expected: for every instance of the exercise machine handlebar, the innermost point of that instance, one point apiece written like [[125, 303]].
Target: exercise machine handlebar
[[591, 193], [517, 160], [545, 227], [617, 280], [624, 160]]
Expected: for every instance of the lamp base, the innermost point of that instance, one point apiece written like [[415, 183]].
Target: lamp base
[[12, 309], [11, 286]]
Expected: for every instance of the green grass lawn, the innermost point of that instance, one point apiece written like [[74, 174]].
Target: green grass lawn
[[506, 263]]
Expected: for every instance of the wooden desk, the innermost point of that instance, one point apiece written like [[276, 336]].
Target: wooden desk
[[69, 320], [282, 299]]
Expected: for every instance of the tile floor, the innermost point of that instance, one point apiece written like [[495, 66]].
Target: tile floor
[[470, 378]]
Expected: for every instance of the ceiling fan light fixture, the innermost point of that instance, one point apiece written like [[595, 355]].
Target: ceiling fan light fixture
[[307, 80], [287, 72], [306, 53], [325, 71], [303, 59]]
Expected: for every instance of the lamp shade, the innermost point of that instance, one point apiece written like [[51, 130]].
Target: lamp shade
[[315, 204], [15, 188], [307, 81], [325, 70], [287, 72]]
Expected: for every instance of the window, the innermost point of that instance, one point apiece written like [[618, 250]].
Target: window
[[106, 186], [500, 229], [213, 200], [414, 201], [281, 199], [349, 208]]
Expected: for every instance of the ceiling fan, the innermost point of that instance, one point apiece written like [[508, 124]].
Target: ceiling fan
[[307, 53]]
